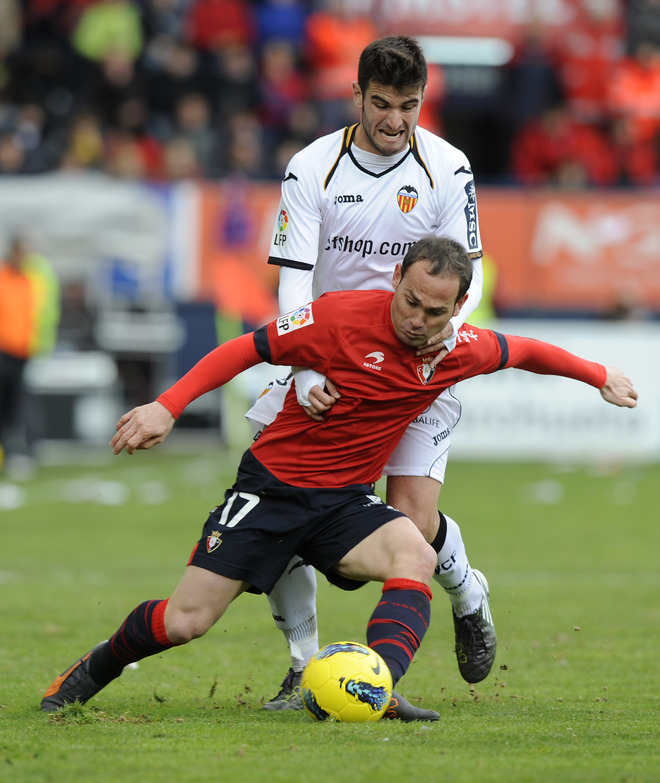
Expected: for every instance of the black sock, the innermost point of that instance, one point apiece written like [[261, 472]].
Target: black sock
[[141, 634], [439, 540], [104, 666]]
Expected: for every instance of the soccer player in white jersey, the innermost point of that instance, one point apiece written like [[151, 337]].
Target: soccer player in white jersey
[[353, 202]]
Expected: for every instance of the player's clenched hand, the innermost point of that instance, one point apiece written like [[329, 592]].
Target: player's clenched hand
[[142, 428], [437, 343], [618, 389], [321, 400]]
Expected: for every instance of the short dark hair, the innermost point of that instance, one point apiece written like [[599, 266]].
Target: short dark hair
[[394, 61], [445, 256]]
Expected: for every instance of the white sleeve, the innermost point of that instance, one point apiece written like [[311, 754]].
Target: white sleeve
[[297, 227], [305, 379], [458, 216], [295, 289], [459, 220], [474, 297]]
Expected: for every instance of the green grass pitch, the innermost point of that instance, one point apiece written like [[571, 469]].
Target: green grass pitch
[[572, 556]]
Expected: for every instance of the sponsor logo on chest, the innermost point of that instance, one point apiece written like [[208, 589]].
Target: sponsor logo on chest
[[349, 199], [373, 360]]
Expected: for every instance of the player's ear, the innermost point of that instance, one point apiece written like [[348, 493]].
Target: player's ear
[[357, 95], [459, 303], [396, 277]]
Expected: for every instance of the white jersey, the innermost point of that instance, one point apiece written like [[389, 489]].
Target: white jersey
[[347, 218], [352, 225]]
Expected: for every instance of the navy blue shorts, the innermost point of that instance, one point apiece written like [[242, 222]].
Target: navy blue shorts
[[263, 523]]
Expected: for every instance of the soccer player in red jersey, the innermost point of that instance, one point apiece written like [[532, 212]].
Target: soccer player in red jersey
[[352, 203], [306, 487]]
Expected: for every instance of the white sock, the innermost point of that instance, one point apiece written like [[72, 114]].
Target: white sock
[[455, 573], [293, 604]]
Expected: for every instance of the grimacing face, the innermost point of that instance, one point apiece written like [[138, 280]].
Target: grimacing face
[[423, 303], [388, 117]]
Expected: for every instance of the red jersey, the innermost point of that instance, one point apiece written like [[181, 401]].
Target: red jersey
[[349, 337]]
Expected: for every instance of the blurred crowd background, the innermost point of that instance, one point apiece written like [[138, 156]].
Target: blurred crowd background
[[166, 90], [141, 147]]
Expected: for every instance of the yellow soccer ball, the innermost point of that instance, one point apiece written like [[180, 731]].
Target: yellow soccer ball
[[346, 681]]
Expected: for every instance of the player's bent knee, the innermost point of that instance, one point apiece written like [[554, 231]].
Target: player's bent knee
[[416, 561], [428, 560], [183, 627]]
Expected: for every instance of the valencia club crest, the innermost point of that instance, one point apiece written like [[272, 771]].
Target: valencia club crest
[[407, 198]]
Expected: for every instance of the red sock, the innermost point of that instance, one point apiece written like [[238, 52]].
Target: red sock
[[399, 622]]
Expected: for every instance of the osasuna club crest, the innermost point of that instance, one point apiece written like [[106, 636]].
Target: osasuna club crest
[[407, 198], [213, 541], [425, 372]]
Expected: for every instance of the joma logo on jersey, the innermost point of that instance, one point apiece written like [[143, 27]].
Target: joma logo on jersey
[[377, 357], [349, 199], [437, 439], [407, 198]]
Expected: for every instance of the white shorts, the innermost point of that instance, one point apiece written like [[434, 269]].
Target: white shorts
[[423, 449]]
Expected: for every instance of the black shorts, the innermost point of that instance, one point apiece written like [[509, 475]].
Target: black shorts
[[263, 523]]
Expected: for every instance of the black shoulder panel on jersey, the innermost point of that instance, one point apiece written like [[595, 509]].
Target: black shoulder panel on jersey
[[415, 151], [262, 345], [504, 347], [345, 145], [478, 254], [290, 263]]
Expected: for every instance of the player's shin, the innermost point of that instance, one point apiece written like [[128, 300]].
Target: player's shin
[[399, 622], [141, 634], [293, 604], [454, 571]]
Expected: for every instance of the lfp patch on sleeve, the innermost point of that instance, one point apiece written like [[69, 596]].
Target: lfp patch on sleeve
[[303, 316]]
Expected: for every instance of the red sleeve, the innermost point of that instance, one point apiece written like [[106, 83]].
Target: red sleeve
[[214, 370], [546, 359]]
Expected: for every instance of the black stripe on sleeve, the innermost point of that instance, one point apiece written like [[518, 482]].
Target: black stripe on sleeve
[[289, 263], [262, 345], [504, 348]]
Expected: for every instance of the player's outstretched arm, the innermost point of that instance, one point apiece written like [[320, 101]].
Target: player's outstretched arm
[[618, 389], [142, 428]]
